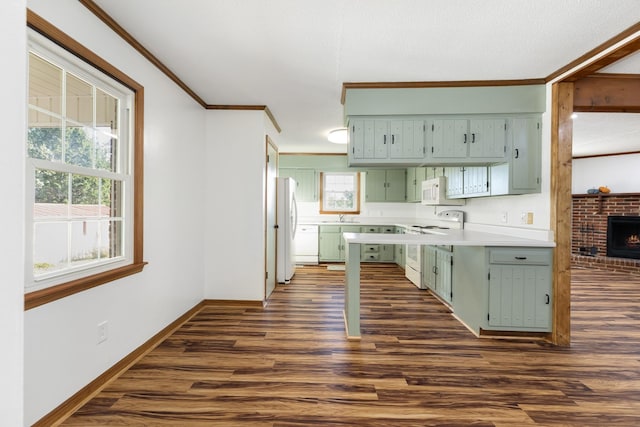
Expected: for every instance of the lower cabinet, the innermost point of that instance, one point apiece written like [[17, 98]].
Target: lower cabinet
[[519, 289], [515, 294], [436, 268], [399, 250], [332, 246]]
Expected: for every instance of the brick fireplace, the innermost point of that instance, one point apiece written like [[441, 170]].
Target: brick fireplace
[[591, 214]]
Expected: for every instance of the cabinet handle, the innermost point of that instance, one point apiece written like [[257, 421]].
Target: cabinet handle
[[473, 138], [465, 138], [517, 153], [384, 139], [546, 299], [393, 139], [521, 257]]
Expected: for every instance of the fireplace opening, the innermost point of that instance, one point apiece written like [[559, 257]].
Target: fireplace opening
[[623, 237]]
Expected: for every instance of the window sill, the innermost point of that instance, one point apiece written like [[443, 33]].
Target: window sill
[[44, 296]]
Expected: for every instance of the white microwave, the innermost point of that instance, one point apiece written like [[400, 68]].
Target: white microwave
[[434, 192]]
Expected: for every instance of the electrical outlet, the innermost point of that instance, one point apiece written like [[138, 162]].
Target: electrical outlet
[[529, 217], [504, 217], [103, 331], [523, 218]]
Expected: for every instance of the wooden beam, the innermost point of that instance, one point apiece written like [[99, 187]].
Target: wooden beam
[[612, 93], [615, 55], [561, 141]]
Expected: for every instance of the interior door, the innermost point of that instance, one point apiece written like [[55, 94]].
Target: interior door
[[270, 219]]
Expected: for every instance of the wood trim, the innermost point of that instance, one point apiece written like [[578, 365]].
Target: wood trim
[[37, 298], [607, 155], [53, 293], [561, 201], [247, 107], [233, 303], [48, 30], [413, 85], [321, 195], [124, 34], [312, 154], [618, 53], [127, 37], [69, 406]]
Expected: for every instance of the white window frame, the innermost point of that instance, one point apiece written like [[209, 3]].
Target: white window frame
[[324, 209], [51, 52]]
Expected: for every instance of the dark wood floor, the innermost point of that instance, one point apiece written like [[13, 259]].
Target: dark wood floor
[[289, 364]]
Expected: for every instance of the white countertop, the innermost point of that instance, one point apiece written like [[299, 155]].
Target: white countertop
[[447, 237]]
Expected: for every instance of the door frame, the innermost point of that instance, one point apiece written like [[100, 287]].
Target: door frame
[[269, 144]]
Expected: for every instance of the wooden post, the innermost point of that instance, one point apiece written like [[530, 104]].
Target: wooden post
[[561, 157]]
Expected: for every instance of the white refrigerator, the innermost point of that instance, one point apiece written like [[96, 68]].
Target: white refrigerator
[[287, 223]]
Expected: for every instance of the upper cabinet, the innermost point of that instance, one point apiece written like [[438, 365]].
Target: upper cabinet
[[382, 141], [470, 140], [306, 183], [428, 140], [521, 173]]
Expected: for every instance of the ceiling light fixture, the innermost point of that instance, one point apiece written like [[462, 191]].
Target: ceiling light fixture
[[338, 136]]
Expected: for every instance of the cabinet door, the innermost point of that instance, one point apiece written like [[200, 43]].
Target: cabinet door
[[449, 138], [375, 185], [396, 185], [443, 279], [429, 267], [399, 250], [381, 139], [412, 188], [455, 181], [307, 188], [525, 155], [330, 244], [356, 138], [407, 139], [476, 181], [488, 138], [520, 297]]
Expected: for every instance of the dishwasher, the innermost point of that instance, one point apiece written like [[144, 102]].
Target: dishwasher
[[306, 244]]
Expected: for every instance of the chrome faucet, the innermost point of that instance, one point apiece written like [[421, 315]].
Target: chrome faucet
[[341, 217]]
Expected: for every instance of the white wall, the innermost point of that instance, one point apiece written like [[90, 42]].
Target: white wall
[[13, 74], [620, 173], [61, 350], [234, 205]]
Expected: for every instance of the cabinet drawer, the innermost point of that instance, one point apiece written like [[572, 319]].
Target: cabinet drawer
[[520, 256], [370, 257], [388, 230], [329, 229], [370, 229], [350, 229], [370, 248]]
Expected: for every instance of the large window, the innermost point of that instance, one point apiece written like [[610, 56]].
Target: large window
[[339, 192], [80, 173]]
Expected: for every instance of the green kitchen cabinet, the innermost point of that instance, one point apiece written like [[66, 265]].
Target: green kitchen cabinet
[[306, 183], [380, 141], [400, 250], [465, 140], [415, 176], [521, 174], [385, 185], [437, 270], [520, 294], [467, 181], [331, 245]]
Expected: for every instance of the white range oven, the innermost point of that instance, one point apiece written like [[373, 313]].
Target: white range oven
[[445, 220]]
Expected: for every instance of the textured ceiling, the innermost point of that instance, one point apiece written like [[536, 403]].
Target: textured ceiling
[[293, 55]]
